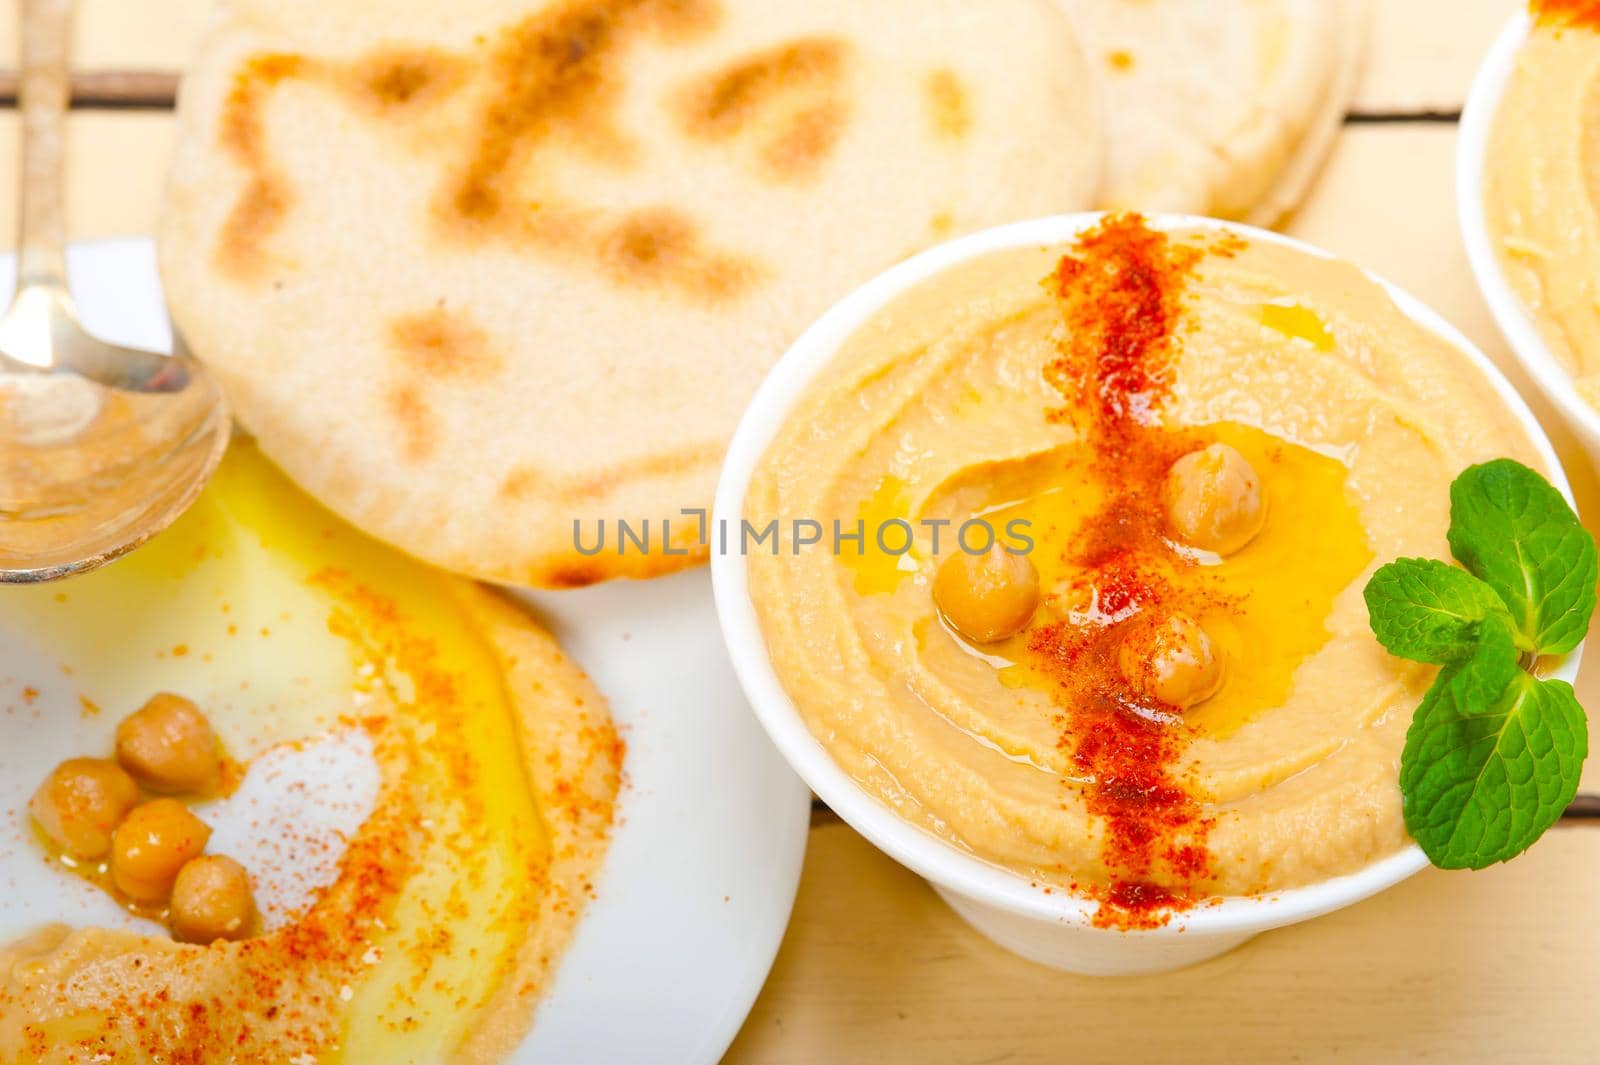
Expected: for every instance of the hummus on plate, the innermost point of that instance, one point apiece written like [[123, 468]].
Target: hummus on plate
[[1176, 710], [426, 931]]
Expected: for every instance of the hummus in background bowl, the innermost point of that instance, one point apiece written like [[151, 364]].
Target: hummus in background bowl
[[1186, 726], [1526, 180]]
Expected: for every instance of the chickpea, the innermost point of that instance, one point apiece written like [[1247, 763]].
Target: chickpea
[[151, 845], [1171, 660], [81, 803], [211, 900], [987, 597], [1214, 499], [168, 746]]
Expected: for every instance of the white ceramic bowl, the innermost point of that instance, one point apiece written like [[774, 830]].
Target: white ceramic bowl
[[1054, 929], [1512, 316]]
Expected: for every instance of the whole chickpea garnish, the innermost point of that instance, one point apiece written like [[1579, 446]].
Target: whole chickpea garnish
[[1170, 659], [987, 597], [151, 845], [169, 746], [80, 804], [211, 900], [1214, 499]]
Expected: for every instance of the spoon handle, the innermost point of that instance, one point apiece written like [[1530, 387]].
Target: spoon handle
[[46, 43]]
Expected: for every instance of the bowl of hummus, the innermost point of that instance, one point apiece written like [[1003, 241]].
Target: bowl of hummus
[[1528, 186], [1041, 560]]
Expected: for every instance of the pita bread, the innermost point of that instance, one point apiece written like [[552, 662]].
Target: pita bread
[[1220, 107], [474, 272]]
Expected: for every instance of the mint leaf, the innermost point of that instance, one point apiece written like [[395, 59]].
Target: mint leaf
[[1478, 682], [1430, 611], [1493, 754], [1510, 527], [1481, 786]]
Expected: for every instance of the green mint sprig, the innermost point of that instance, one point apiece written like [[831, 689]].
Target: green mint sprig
[[1493, 753]]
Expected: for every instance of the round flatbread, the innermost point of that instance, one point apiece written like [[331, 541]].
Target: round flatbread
[[1220, 107], [485, 275]]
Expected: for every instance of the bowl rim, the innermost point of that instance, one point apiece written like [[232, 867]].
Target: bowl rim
[[912, 846], [1515, 321]]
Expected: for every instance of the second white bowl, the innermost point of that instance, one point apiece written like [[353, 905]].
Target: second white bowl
[[1510, 314]]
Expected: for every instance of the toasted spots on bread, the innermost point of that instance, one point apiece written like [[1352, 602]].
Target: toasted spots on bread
[[805, 142], [257, 214], [573, 575], [662, 246], [728, 102], [413, 420], [682, 20], [788, 100], [550, 82], [384, 81], [949, 110], [564, 571], [526, 482], [267, 195], [558, 72], [389, 80], [555, 84], [677, 462], [521, 483], [443, 344], [555, 70]]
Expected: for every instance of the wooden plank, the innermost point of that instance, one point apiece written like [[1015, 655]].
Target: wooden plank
[[116, 164], [1422, 54], [139, 34], [109, 89], [1492, 966]]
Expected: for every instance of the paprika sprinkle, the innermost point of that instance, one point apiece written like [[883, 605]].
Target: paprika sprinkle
[[1581, 13], [1120, 293]]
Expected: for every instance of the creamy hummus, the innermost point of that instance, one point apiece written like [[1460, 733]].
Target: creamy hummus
[[1541, 186], [451, 902], [950, 404]]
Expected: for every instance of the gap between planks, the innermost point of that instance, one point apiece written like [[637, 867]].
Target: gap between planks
[[109, 90], [156, 90]]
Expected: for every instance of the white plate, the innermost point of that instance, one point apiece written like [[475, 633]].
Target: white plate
[[702, 871]]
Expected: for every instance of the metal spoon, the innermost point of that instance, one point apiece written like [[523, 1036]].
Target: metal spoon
[[100, 446]]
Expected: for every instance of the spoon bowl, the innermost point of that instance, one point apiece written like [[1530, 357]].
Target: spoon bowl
[[104, 446]]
